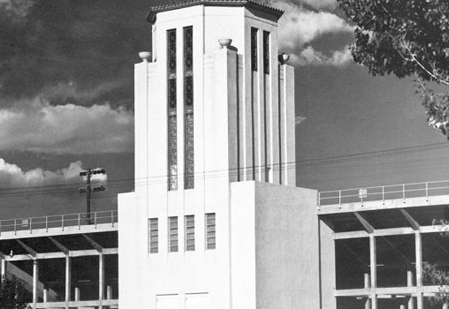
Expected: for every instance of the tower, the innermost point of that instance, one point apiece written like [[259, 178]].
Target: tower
[[215, 146]]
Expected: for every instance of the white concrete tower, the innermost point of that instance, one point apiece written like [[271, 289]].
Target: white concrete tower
[[214, 160]]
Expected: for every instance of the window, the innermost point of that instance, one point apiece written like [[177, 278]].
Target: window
[[153, 235], [266, 52], [172, 168], [189, 233], [254, 49], [210, 231], [173, 234], [189, 170]]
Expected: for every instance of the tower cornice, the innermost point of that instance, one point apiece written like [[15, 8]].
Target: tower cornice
[[151, 17]]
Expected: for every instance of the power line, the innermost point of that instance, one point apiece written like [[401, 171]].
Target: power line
[[304, 164]]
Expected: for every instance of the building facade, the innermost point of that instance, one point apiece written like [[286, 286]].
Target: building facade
[[216, 220]]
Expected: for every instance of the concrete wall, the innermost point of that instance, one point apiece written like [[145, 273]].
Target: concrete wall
[[275, 256], [327, 269]]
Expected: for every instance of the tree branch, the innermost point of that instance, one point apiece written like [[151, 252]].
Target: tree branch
[[431, 74]]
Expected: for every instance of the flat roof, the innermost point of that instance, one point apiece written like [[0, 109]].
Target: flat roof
[[186, 3]]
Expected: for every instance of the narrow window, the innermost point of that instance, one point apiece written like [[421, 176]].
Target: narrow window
[[266, 52], [189, 233], [171, 112], [173, 234], [154, 235], [189, 167], [210, 231], [254, 49]]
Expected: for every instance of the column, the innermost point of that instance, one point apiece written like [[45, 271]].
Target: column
[[77, 294], [68, 280], [3, 268], [101, 280], [109, 292], [367, 285], [45, 295], [418, 253], [35, 280], [373, 269], [411, 303]]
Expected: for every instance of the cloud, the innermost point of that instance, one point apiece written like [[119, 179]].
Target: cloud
[[70, 42], [16, 10], [299, 26], [38, 126], [299, 119], [71, 92], [12, 176], [318, 4], [309, 56]]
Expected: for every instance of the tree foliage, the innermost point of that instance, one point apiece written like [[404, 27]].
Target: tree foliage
[[405, 37], [13, 294], [439, 276]]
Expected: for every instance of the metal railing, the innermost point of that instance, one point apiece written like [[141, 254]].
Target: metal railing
[[59, 221], [382, 193]]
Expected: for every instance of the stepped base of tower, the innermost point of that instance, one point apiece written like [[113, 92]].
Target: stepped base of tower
[[266, 252]]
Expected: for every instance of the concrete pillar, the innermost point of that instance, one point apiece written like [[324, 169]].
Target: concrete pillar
[[445, 306], [77, 294], [418, 256], [368, 303], [373, 269], [101, 280], [367, 286], [409, 278], [109, 292], [45, 296], [367, 281], [68, 280], [4, 265], [35, 281], [411, 302]]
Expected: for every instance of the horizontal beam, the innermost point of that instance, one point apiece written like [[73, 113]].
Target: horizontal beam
[[78, 304], [389, 232], [406, 290], [409, 202], [60, 255], [67, 230]]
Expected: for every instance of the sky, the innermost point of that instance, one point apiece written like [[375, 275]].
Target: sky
[[66, 104]]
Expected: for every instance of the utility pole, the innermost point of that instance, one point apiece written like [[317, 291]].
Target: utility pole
[[89, 189]]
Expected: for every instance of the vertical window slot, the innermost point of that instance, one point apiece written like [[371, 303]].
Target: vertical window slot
[[173, 234]]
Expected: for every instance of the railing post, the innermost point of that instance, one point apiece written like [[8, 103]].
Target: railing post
[[62, 222], [79, 221], [46, 223], [339, 197], [403, 192], [383, 195], [95, 219], [112, 217], [427, 191], [31, 225], [15, 226]]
